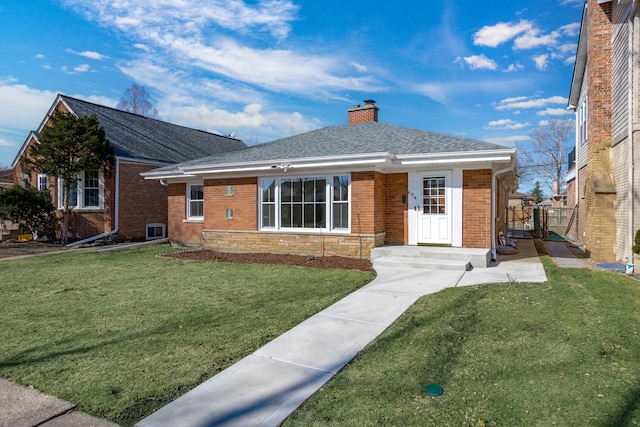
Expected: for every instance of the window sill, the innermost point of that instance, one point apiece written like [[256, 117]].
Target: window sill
[[193, 221], [84, 210]]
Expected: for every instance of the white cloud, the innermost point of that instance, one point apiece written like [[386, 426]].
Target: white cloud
[[542, 61], [88, 54], [359, 67], [7, 144], [479, 62], [250, 118], [190, 19], [513, 67], [506, 124], [39, 56], [509, 141], [571, 30], [27, 107], [82, 68], [195, 35], [533, 39], [543, 123], [523, 102], [495, 35], [554, 112]]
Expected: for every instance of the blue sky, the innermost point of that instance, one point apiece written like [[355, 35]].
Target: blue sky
[[265, 69]]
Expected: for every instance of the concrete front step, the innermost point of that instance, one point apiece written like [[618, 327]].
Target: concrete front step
[[427, 263], [434, 256]]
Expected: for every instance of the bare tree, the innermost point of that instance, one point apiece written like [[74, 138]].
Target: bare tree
[[545, 159], [136, 100]]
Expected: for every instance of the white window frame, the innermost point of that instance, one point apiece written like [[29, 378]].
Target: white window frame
[[43, 181], [153, 226], [582, 118], [80, 193], [191, 217], [329, 202]]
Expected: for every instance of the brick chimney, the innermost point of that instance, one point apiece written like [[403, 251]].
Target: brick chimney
[[368, 113]]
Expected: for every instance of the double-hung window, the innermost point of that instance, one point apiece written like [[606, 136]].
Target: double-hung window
[[311, 203], [87, 193], [42, 181], [195, 201]]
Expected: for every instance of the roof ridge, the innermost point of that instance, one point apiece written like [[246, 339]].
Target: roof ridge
[[140, 116]]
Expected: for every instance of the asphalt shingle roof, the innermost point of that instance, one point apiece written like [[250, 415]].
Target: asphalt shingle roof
[[138, 137], [363, 138]]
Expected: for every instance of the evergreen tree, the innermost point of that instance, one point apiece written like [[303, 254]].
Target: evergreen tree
[[68, 146], [537, 193]]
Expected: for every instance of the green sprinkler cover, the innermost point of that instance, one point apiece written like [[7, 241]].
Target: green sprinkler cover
[[434, 390]]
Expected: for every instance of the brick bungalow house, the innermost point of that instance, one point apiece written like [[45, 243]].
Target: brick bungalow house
[[7, 228], [123, 203], [603, 180], [343, 190]]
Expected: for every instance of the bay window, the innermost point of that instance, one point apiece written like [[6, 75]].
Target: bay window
[[312, 203]]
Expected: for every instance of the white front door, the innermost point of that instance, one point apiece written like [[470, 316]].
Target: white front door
[[434, 208]]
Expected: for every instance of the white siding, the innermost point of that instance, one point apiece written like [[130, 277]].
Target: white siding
[[620, 76]]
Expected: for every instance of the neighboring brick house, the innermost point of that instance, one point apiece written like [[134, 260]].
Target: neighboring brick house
[[7, 228], [604, 180], [123, 203], [343, 190]]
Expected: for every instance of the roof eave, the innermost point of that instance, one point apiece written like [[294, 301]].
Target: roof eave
[[580, 63]]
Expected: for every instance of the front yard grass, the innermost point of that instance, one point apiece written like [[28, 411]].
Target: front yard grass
[[121, 334], [564, 353]]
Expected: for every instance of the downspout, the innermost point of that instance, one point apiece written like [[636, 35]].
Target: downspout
[[116, 210], [494, 176], [633, 45]]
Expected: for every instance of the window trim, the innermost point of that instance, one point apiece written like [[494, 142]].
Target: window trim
[[329, 204], [188, 215], [46, 181], [79, 205], [155, 225]]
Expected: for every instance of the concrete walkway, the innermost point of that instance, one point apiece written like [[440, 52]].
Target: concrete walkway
[[563, 256], [264, 388]]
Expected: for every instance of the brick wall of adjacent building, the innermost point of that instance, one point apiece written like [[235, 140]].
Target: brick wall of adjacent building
[[141, 202], [476, 208], [600, 230], [599, 206]]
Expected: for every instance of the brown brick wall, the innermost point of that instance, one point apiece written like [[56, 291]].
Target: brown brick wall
[[142, 201], [396, 214], [178, 230], [243, 202], [366, 194], [476, 208], [599, 71]]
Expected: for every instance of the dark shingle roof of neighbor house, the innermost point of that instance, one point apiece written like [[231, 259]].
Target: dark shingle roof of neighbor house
[[138, 137], [6, 177], [345, 140]]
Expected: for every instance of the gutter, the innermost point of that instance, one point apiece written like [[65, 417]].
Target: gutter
[[494, 176], [633, 90], [117, 214]]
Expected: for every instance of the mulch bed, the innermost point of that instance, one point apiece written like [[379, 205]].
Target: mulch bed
[[208, 255]]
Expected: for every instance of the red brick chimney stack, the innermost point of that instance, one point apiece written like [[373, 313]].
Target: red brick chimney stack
[[368, 113]]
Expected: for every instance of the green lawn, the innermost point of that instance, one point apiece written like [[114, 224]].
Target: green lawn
[[121, 334], [564, 353]]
